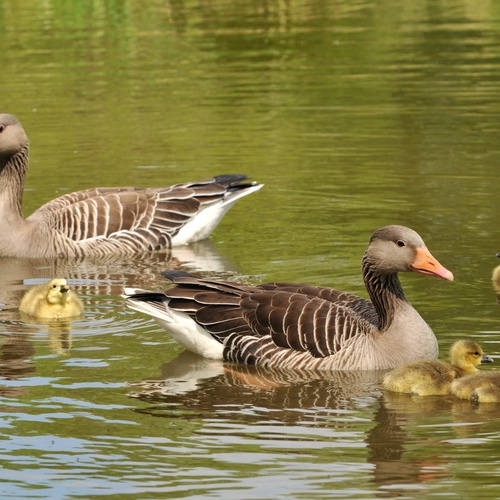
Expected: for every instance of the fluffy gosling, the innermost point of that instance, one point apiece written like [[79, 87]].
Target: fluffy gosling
[[427, 378], [478, 387], [52, 300]]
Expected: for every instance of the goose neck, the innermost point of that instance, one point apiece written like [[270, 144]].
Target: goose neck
[[13, 172], [386, 293]]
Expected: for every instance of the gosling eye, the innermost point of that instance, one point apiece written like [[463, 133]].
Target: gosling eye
[[400, 243], [2, 128], [54, 286]]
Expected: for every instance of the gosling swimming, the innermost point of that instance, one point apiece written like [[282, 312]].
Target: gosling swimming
[[427, 378], [51, 300], [478, 387]]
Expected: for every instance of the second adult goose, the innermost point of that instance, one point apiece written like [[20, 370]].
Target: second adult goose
[[106, 221], [304, 326]]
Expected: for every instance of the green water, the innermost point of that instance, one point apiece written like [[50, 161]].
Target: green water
[[354, 114]]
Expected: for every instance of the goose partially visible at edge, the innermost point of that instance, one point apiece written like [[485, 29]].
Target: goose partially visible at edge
[[303, 326], [495, 277], [106, 221]]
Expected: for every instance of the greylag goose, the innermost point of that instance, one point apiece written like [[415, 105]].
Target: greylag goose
[[302, 326], [434, 377], [51, 300], [483, 387], [106, 221]]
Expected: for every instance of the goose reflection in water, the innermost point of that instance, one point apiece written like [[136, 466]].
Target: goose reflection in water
[[16, 352], [190, 385], [95, 281], [107, 275], [190, 377]]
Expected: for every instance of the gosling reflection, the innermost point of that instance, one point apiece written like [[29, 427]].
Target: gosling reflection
[[393, 435], [98, 279], [396, 424], [59, 331]]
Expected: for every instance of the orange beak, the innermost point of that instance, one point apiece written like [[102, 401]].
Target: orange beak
[[425, 263]]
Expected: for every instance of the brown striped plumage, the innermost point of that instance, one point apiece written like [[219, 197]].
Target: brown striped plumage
[[106, 221], [305, 326]]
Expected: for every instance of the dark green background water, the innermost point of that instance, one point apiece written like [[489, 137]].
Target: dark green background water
[[355, 114]]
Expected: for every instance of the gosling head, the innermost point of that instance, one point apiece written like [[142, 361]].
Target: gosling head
[[58, 290], [467, 355]]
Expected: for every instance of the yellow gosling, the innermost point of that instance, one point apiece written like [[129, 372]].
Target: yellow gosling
[[52, 300], [434, 377], [486, 394], [479, 387], [496, 277]]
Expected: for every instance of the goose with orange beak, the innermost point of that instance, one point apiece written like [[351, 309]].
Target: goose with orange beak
[[304, 327]]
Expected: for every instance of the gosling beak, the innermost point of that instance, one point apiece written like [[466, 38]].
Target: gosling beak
[[425, 263], [64, 289], [487, 359]]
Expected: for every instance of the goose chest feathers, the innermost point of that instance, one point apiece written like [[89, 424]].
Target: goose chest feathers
[[303, 326], [101, 222]]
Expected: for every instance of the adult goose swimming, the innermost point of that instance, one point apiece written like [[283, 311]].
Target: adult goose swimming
[[106, 221], [302, 326]]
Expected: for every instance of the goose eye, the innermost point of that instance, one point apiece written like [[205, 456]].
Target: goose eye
[[2, 128], [400, 243]]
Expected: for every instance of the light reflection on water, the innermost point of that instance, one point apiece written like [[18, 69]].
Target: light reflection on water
[[354, 115]]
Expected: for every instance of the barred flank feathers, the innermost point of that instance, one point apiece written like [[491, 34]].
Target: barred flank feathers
[[83, 223]]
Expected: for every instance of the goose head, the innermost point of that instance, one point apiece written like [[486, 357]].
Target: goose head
[[12, 137], [395, 249]]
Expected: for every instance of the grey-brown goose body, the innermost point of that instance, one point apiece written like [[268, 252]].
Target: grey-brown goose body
[[304, 326], [106, 221]]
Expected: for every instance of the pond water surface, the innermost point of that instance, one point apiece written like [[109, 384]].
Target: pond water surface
[[354, 114]]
